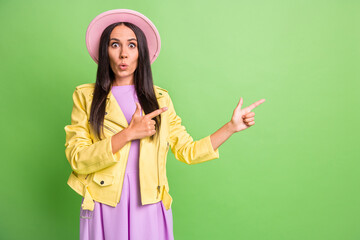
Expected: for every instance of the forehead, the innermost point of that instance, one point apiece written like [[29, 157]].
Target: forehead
[[122, 31]]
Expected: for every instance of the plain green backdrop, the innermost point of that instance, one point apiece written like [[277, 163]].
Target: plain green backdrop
[[294, 175]]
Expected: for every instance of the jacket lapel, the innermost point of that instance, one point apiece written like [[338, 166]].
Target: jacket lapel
[[114, 113]]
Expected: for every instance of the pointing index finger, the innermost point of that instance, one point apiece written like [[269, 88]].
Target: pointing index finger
[[255, 104], [156, 112]]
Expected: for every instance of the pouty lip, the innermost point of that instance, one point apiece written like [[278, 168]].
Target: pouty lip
[[123, 64]]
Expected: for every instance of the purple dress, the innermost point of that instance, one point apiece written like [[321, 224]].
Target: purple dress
[[129, 220]]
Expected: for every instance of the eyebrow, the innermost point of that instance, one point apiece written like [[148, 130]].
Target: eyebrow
[[119, 40]]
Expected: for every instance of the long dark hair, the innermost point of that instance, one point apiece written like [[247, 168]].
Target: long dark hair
[[105, 77]]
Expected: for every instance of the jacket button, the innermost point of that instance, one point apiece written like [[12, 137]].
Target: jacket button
[[105, 113], [102, 182]]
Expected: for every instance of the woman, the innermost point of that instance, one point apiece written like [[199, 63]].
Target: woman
[[121, 130]]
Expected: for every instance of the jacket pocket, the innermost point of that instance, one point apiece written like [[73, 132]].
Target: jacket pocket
[[103, 179]]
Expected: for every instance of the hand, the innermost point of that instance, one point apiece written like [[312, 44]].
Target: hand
[[243, 118], [143, 126]]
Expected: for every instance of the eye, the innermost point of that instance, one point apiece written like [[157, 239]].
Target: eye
[[113, 44], [132, 45]]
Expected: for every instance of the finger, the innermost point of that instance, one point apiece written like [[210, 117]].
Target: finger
[[138, 108], [248, 120], [250, 123], [151, 124], [240, 103], [151, 127], [156, 112], [255, 104], [247, 115]]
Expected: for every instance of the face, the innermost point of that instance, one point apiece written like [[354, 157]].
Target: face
[[123, 54]]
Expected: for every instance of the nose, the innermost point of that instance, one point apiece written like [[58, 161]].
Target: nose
[[123, 54]]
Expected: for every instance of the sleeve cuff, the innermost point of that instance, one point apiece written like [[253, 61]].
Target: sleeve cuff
[[204, 151], [213, 153], [115, 157]]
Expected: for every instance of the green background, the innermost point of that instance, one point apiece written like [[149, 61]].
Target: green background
[[293, 175]]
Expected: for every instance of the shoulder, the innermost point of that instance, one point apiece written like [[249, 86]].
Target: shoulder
[[160, 92], [160, 89], [86, 86], [86, 89]]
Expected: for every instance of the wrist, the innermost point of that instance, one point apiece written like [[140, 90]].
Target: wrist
[[230, 127], [127, 134]]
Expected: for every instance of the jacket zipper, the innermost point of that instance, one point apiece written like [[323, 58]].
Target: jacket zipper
[[159, 187], [167, 147], [110, 129]]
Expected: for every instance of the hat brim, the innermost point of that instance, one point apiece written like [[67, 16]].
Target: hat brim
[[103, 20]]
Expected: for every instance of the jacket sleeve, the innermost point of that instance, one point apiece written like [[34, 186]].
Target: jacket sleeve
[[182, 144], [83, 154]]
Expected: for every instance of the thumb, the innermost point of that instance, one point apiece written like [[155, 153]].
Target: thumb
[[240, 103], [138, 108]]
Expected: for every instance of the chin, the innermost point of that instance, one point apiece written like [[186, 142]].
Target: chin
[[122, 75]]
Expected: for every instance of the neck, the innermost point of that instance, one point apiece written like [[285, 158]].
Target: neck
[[124, 81]]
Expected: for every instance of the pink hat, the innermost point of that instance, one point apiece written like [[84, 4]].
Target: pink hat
[[103, 20]]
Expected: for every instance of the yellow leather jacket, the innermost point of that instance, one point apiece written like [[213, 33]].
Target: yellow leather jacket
[[98, 174]]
